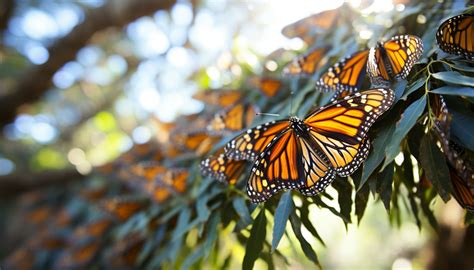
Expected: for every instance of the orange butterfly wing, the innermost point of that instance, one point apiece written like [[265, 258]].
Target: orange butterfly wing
[[307, 64], [251, 143], [456, 35]]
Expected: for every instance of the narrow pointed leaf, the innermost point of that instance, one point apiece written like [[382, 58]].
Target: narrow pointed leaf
[[433, 163], [454, 90], [282, 212], [404, 125], [454, 77], [305, 246], [255, 242]]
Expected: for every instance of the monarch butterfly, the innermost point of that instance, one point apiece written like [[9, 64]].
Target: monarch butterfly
[[221, 98], [222, 168], [459, 165], [197, 141], [233, 119], [456, 35], [166, 184], [303, 28], [393, 59], [268, 86], [346, 75], [124, 253], [92, 229], [175, 178], [306, 154], [462, 193], [79, 255], [122, 208], [308, 63]]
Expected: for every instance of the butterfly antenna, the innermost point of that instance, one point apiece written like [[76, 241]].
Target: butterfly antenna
[[267, 114], [291, 102]]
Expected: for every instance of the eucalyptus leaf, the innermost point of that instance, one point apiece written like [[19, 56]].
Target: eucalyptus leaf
[[453, 77], [242, 210], [307, 249], [433, 163], [282, 212], [404, 125], [255, 242], [454, 90]]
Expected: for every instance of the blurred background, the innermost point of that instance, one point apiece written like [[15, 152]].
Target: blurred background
[[83, 81]]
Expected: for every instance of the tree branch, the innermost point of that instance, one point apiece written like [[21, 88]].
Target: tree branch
[[6, 11], [36, 81], [11, 185]]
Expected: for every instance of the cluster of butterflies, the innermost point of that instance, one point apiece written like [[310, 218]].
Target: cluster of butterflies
[[303, 154]]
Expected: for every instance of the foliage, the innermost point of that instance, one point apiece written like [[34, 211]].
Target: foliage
[[187, 231]]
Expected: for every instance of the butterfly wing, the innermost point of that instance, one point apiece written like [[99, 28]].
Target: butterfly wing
[[268, 86], [402, 53], [306, 64], [289, 162], [233, 119], [346, 75], [456, 35], [222, 168], [340, 128], [302, 28], [376, 69], [222, 98], [248, 145]]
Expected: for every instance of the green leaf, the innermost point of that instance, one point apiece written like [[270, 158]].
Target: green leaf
[[182, 224], [462, 127], [305, 246], [361, 199], [198, 252], [404, 125], [399, 89], [211, 235], [344, 198], [433, 163], [242, 210], [255, 242], [413, 87], [282, 212], [321, 203], [454, 77], [377, 153], [304, 217], [454, 90], [384, 185]]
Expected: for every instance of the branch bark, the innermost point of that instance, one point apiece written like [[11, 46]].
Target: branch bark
[[11, 185], [6, 11], [36, 81]]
